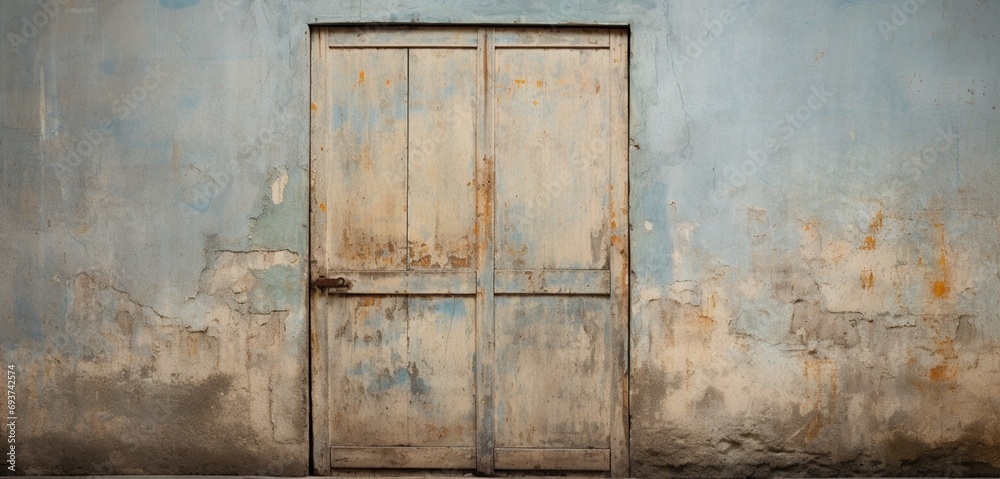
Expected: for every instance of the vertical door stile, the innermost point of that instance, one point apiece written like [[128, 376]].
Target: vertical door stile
[[318, 330], [485, 207], [619, 252]]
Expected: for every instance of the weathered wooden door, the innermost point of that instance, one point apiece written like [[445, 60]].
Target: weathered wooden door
[[469, 239]]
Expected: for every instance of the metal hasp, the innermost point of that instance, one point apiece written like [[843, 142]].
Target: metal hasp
[[332, 283]]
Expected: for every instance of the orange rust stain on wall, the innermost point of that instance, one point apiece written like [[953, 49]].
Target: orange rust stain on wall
[[519, 82], [322, 206], [941, 286], [539, 83], [812, 430], [940, 289], [873, 228], [706, 324], [312, 106], [192, 345], [387, 82], [943, 257], [946, 370], [811, 228], [867, 279], [869, 244], [946, 348], [811, 368], [597, 88], [361, 76], [876, 225], [942, 373]]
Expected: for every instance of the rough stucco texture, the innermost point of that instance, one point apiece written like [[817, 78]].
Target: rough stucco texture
[[814, 243]]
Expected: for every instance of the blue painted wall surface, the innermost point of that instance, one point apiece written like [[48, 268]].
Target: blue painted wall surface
[[814, 244]]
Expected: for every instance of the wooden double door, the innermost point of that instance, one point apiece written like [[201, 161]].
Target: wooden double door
[[469, 249]]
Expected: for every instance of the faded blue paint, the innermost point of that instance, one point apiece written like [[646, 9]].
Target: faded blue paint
[[108, 66], [190, 102], [28, 323], [277, 289], [380, 381], [178, 4]]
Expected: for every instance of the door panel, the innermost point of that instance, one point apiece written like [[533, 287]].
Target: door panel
[[551, 357], [469, 249], [368, 369], [552, 134], [442, 346], [401, 370], [361, 222], [442, 167]]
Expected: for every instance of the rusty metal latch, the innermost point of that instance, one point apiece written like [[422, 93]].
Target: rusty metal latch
[[340, 283]]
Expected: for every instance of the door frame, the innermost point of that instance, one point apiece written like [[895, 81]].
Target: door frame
[[620, 256]]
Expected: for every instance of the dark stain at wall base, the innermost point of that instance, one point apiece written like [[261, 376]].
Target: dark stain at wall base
[[688, 452], [128, 426], [974, 453]]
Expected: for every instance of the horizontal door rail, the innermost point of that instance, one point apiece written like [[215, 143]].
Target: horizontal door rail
[[554, 38], [516, 458], [364, 36], [375, 36], [397, 282], [403, 457]]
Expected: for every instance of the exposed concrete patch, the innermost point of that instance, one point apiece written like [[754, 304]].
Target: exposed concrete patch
[[278, 187]]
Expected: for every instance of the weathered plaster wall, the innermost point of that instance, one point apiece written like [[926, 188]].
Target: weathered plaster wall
[[814, 241], [155, 300]]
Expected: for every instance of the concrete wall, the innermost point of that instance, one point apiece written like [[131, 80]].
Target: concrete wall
[[814, 211]]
